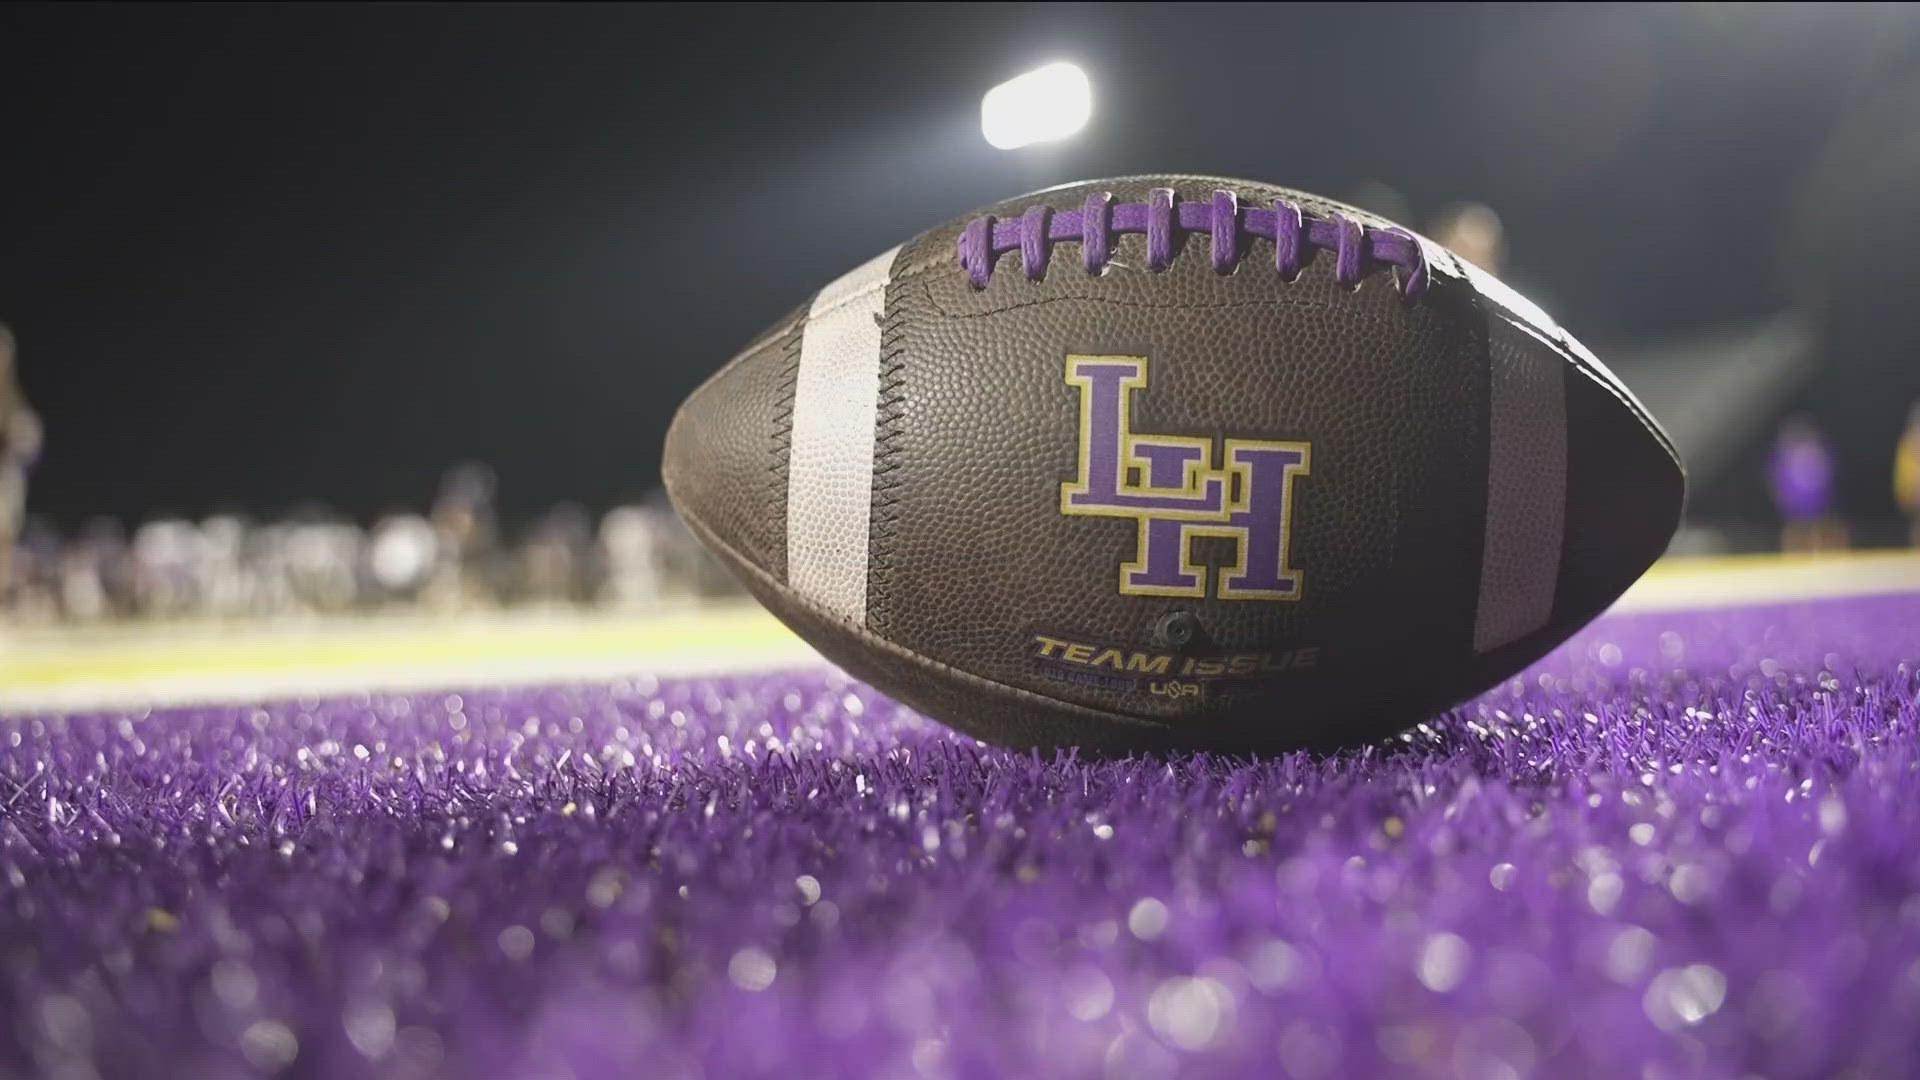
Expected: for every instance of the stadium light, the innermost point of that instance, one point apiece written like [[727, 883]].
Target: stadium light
[[1044, 105]]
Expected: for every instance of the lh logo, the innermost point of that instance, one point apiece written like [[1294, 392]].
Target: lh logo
[[1171, 487]]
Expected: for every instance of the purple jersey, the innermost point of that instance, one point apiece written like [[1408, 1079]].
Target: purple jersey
[[1802, 476]]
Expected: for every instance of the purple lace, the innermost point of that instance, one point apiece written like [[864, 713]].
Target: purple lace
[[1357, 249]]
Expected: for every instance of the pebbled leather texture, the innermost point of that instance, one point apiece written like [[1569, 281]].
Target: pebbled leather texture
[[725, 461], [978, 428], [1526, 488]]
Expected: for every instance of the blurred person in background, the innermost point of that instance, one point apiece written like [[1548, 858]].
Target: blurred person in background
[[36, 571], [467, 538], [556, 558], [323, 559], [268, 553], [81, 585], [1801, 474], [629, 557], [169, 568], [19, 448], [1906, 475], [225, 580], [401, 556], [1472, 231], [97, 578]]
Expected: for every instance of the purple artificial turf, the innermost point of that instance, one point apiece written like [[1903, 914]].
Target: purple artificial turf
[[1683, 846]]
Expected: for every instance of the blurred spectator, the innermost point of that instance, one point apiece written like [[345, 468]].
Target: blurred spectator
[[270, 562], [1906, 475], [323, 559], [102, 559], [468, 537], [556, 559], [1473, 232], [630, 556], [19, 449], [227, 589], [316, 563], [1802, 480], [401, 556], [86, 572], [167, 568], [36, 571]]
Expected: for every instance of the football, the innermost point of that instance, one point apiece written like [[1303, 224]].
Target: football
[[1174, 462]]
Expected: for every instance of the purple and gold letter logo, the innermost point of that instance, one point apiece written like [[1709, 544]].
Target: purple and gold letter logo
[[1170, 486]]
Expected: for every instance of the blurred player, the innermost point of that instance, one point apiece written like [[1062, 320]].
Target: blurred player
[[97, 578], [629, 556], [467, 538], [36, 571], [82, 575], [1472, 231], [1801, 472], [401, 556], [323, 560], [556, 558], [19, 448], [169, 569], [224, 578], [269, 557], [1906, 474]]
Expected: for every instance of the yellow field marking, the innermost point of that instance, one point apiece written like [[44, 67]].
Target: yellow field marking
[[1708, 581], [188, 661]]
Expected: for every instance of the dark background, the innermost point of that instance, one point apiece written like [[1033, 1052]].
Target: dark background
[[260, 256]]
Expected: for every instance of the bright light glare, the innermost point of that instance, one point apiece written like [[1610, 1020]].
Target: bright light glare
[[1044, 105]]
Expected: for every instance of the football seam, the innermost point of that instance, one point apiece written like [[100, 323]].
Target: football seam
[[889, 427], [867, 637], [1305, 305], [779, 468], [1238, 185], [1319, 204], [1455, 272], [746, 354]]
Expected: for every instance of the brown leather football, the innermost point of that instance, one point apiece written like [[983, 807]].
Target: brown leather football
[[1174, 462]]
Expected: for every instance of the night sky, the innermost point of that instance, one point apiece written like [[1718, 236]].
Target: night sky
[[264, 256]]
